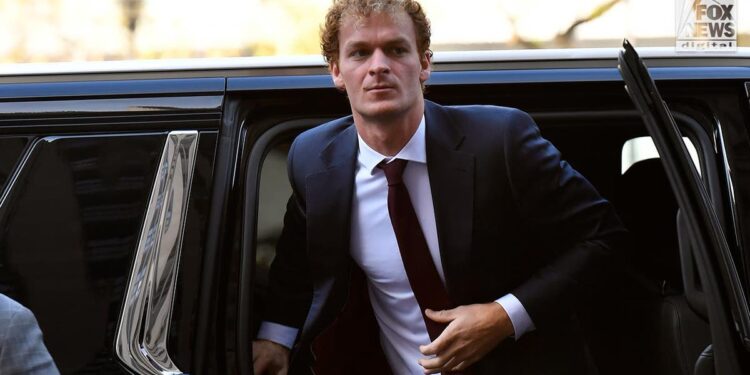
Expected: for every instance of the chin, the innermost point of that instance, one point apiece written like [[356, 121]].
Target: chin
[[383, 110]]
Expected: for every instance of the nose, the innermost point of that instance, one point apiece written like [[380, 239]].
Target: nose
[[379, 62]]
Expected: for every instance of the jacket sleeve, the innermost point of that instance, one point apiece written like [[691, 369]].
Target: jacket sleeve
[[290, 285], [566, 209]]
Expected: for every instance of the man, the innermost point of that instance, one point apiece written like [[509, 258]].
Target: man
[[22, 349], [476, 240]]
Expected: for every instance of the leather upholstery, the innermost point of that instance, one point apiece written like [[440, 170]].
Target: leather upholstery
[[705, 363], [647, 326]]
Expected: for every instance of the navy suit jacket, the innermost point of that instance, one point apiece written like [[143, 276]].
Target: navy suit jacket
[[511, 215]]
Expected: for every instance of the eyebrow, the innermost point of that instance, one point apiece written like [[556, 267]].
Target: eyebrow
[[363, 43]]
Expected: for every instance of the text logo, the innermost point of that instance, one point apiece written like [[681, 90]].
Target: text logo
[[706, 25]]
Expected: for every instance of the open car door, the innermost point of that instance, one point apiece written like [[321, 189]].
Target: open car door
[[725, 298]]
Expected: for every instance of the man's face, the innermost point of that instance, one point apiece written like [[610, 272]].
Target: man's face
[[379, 65]]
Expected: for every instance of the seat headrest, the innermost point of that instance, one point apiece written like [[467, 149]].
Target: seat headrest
[[646, 204]]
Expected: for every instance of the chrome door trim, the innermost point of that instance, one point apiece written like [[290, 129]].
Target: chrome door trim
[[20, 166], [143, 328]]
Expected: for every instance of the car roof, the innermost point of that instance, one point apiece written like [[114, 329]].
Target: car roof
[[314, 64]]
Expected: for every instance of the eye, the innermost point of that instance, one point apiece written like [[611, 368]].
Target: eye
[[358, 53], [399, 51]]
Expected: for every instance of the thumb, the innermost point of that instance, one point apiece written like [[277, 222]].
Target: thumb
[[441, 316]]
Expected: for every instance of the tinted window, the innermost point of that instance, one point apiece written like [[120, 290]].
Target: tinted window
[[71, 224]]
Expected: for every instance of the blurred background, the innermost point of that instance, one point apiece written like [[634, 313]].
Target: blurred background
[[91, 30]]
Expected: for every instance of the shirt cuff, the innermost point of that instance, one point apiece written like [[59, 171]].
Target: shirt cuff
[[278, 333], [520, 319]]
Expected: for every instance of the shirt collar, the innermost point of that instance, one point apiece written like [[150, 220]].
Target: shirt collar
[[414, 150]]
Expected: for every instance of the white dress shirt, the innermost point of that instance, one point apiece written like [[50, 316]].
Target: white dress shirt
[[375, 250]]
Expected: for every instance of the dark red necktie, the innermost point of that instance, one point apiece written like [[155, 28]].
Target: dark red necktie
[[423, 276]]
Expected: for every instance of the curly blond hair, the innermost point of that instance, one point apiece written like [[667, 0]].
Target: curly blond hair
[[329, 32]]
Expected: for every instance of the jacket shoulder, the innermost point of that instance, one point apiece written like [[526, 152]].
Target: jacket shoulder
[[487, 125], [312, 141], [305, 154], [489, 116]]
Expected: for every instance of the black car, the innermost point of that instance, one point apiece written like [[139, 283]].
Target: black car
[[141, 202]]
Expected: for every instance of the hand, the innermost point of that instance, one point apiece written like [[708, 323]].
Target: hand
[[472, 331], [270, 358]]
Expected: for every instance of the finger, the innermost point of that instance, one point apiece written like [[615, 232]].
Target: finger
[[434, 371], [442, 316], [432, 348], [459, 366], [440, 344], [434, 364], [451, 364], [444, 352]]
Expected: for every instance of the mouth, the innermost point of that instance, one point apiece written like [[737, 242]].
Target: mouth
[[379, 88]]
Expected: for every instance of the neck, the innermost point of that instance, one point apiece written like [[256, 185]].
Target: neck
[[389, 135]]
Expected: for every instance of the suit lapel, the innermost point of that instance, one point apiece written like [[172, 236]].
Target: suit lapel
[[329, 201], [451, 174]]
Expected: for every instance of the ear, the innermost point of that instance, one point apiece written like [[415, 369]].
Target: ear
[[338, 79], [426, 61]]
